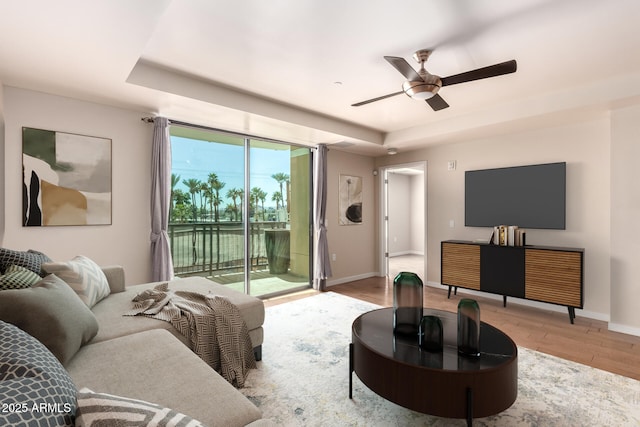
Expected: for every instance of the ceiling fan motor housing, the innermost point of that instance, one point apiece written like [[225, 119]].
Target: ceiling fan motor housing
[[422, 89]]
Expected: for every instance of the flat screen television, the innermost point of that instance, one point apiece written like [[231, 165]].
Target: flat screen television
[[532, 196]]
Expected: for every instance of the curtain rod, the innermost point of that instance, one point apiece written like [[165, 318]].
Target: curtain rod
[[209, 128]]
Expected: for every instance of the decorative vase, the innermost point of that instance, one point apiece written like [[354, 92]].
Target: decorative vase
[[407, 304], [468, 328], [431, 336]]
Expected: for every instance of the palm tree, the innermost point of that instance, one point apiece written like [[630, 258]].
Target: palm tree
[[240, 194], [277, 197], [194, 186], [253, 201], [202, 188], [262, 196], [217, 186], [181, 201], [210, 197], [175, 180], [281, 178], [234, 194]]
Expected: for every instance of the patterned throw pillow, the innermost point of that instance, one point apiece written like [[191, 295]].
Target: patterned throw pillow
[[31, 260], [120, 411], [16, 277], [35, 389], [84, 276]]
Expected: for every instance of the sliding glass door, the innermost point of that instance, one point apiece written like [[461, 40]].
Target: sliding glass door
[[279, 177], [240, 211]]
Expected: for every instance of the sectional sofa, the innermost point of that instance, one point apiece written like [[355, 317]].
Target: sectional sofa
[[111, 360]]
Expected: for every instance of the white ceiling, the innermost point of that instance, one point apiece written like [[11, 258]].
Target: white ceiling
[[290, 69]]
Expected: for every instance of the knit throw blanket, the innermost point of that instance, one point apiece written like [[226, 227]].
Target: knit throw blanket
[[213, 326]]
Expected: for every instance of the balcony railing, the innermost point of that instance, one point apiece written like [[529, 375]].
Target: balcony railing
[[214, 248]]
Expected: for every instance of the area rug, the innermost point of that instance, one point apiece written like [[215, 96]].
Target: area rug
[[303, 379]]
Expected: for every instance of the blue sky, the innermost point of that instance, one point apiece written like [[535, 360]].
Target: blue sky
[[197, 159]]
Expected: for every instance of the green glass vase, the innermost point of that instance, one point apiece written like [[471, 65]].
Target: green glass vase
[[431, 336], [407, 304], [468, 328]]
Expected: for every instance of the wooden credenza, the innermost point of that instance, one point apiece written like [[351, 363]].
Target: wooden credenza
[[541, 273]]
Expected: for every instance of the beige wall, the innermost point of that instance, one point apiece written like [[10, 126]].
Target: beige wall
[[406, 214], [603, 206], [417, 218], [625, 220], [400, 213], [352, 244], [126, 241], [584, 146]]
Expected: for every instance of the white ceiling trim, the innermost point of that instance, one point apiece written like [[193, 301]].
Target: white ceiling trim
[[567, 105], [160, 78]]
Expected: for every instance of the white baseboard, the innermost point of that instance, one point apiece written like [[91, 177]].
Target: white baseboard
[[351, 278], [629, 330], [394, 254], [536, 304]]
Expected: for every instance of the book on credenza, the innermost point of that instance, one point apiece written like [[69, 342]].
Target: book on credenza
[[512, 235], [508, 235], [522, 237], [502, 235]]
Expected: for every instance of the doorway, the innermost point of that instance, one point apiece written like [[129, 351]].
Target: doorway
[[404, 219], [240, 212]]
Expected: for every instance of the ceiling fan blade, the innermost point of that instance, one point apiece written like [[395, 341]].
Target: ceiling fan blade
[[481, 73], [403, 66], [437, 103], [368, 101]]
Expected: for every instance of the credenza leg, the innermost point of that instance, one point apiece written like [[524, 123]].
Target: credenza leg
[[449, 293], [504, 300], [469, 407], [351, 371], [572, 314]]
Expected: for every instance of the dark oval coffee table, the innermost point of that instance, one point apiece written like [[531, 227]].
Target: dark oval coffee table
[[444, 384]]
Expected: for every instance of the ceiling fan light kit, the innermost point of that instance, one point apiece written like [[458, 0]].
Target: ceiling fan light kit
[[421, 90], [422, 85]]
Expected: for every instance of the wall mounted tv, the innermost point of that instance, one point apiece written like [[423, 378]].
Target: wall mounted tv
[[532, 196]]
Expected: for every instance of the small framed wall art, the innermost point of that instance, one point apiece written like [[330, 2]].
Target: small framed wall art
[[66, 179], [350, 196]]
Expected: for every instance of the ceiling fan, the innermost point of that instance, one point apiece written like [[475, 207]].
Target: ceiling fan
[[423, 85]]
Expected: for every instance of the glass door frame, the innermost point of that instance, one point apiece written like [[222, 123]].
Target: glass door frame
[[246, 202]]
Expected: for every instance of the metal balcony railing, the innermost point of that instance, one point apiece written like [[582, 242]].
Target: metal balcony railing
[[214, 248]]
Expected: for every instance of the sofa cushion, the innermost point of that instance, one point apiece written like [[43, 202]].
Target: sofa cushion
[[16, 277], [155, 367], [51, 312], [35, 388], [109, 409], [30, 259], [109, 312], [84, 276]]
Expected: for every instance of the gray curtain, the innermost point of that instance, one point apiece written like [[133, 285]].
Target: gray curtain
[[322, 263], [161, 262]]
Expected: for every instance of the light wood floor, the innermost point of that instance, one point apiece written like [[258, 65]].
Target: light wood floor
[[587, 341]]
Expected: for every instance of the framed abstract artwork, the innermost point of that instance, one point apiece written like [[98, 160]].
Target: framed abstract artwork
[[350, 197], [66, 179]]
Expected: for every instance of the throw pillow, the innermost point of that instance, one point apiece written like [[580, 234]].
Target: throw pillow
[[30, 259], [84, 276], [51, 312], [114, 410], [16, 277], [35, 389]]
